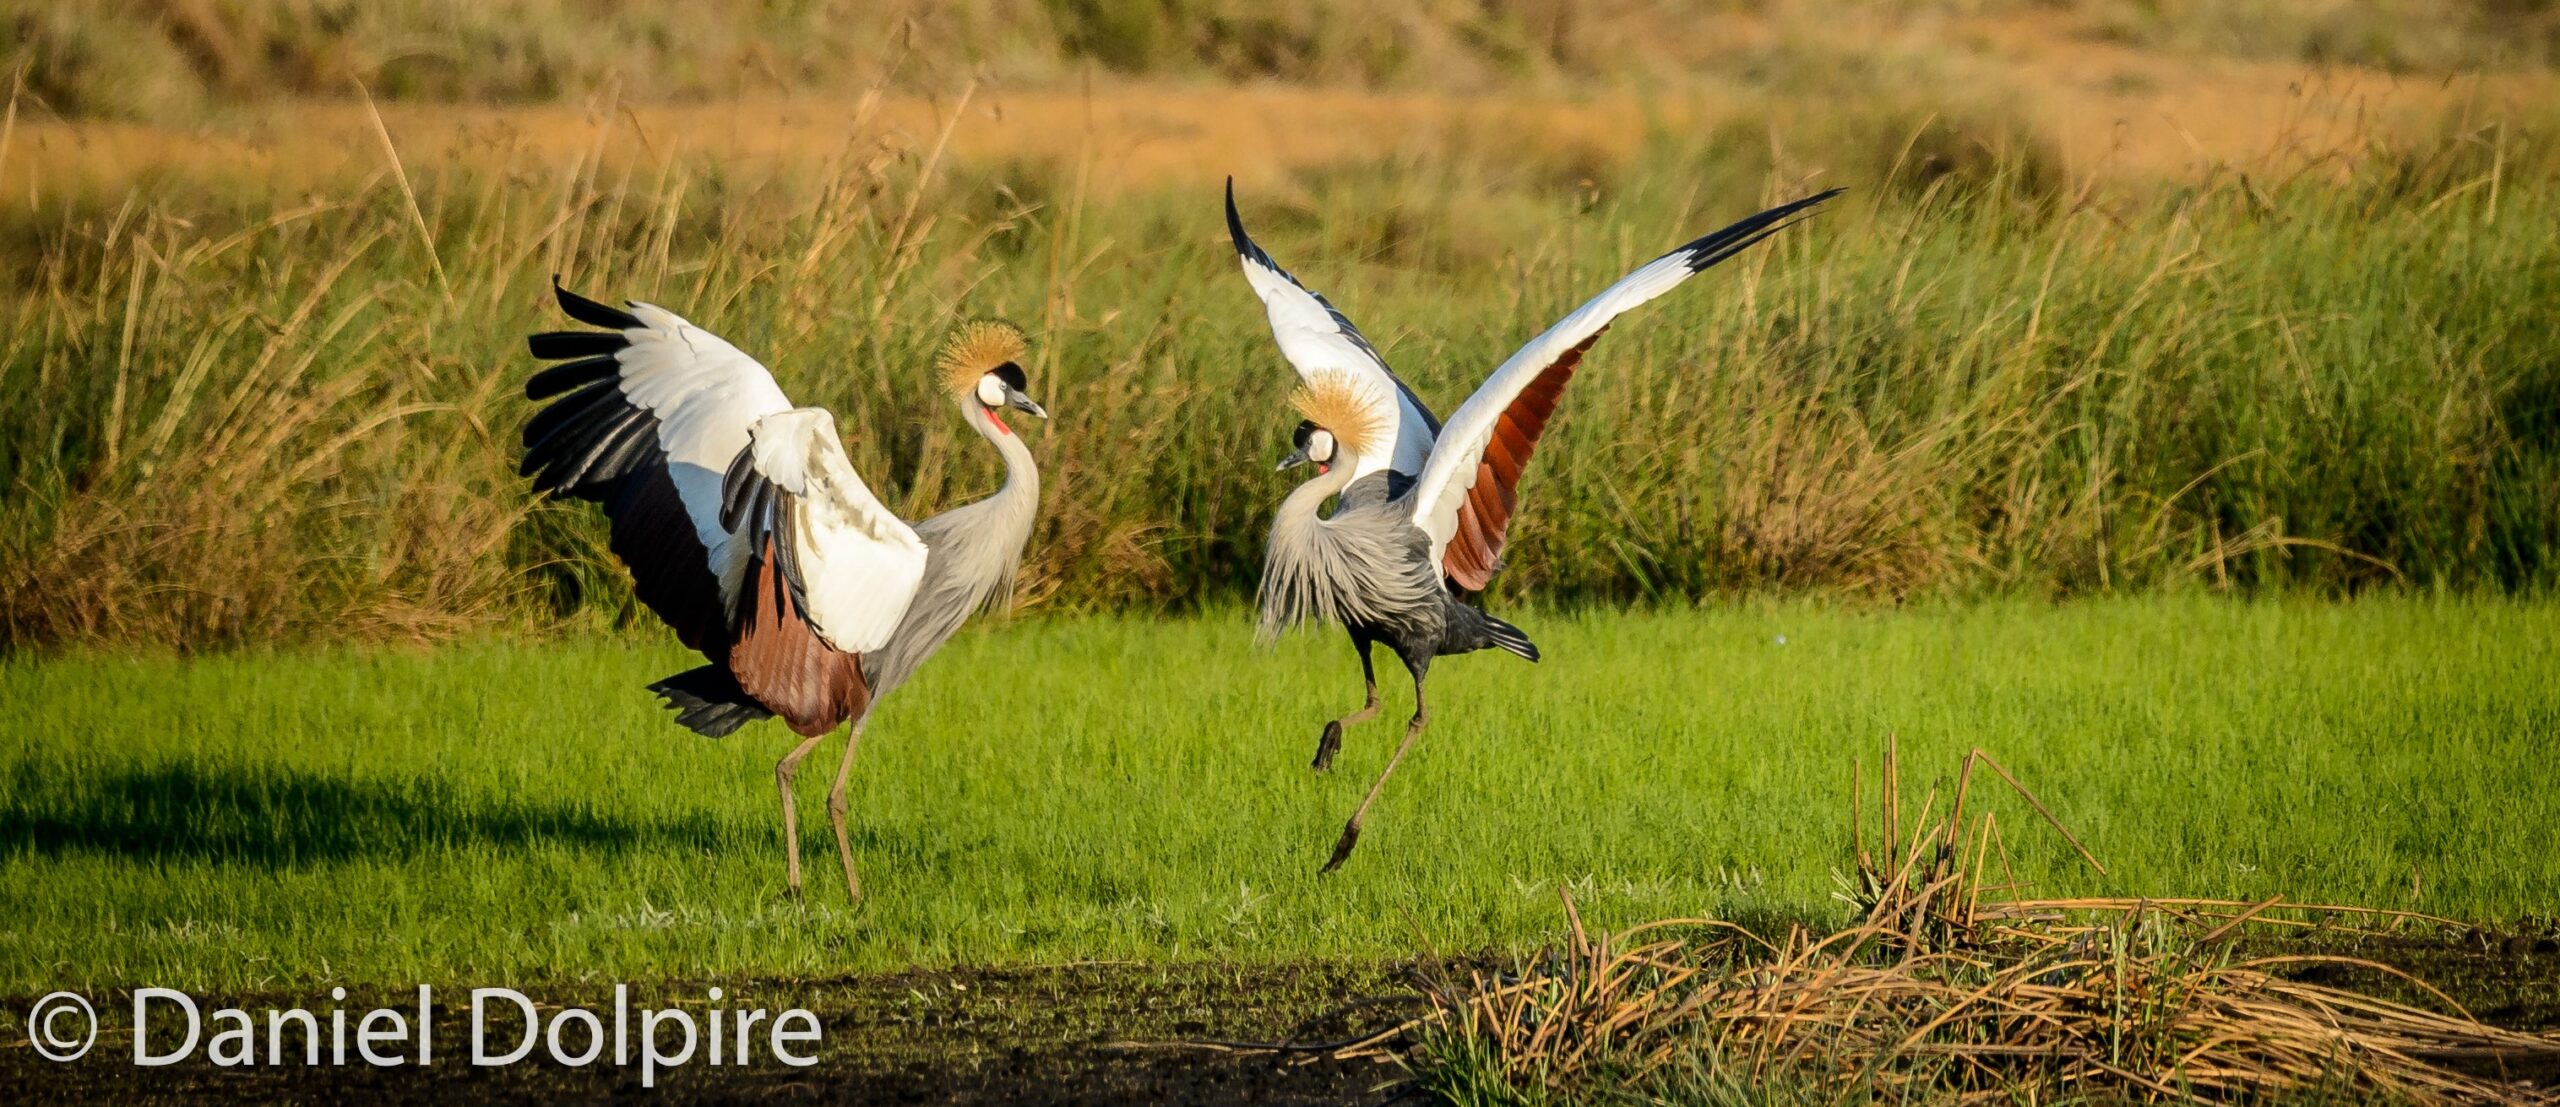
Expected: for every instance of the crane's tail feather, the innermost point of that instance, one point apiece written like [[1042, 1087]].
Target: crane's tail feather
[[708, 701], [1510, 638]]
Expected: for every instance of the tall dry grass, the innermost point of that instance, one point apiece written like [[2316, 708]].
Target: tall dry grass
[[229, 419]]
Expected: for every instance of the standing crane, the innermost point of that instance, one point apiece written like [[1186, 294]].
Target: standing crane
[[1421, 510], [748, 532]]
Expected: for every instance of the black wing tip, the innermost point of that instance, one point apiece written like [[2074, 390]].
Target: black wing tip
[[1742, 234], [590, 312], [572, 375], [1249, 250], [567, 345], [1244, 243]]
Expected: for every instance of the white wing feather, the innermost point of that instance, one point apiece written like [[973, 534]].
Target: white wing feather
[[1454, 463], [706, 394], [1317, 338], [859, 564]]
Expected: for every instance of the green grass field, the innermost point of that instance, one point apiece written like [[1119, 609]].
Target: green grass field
[[2169, 408], [1052, 791]]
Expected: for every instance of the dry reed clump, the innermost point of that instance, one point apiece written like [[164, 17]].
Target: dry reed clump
[[1938, 993], [236, 483]]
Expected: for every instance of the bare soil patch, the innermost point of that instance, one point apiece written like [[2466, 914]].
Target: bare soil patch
[[1078, 1034]]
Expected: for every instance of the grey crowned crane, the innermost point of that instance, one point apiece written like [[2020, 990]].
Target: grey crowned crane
[[747, 530], [1421, 510]]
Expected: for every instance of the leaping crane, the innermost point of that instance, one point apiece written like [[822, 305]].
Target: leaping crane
[[1421, 509]]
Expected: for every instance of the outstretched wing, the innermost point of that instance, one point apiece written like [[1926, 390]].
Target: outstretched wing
[[1465, 497], [847, 564], [819, 571], [1317, 338], [644, 418]]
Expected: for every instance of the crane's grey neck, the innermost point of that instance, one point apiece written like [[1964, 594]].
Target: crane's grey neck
[[1000, 525], [1021, 475], [1306, 501], [1366, 564], [971, 555]]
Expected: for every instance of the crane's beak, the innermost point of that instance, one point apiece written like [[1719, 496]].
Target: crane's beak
[[1296, 458], [1013, 398]]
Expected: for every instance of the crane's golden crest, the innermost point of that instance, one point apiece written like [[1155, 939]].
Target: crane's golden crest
[[978, 347], [1336, 402]]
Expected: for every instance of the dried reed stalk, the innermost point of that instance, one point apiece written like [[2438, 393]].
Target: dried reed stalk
[[1936, 993]]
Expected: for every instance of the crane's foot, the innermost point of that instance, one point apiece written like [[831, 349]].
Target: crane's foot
[[1342, 849], [1328, 745]]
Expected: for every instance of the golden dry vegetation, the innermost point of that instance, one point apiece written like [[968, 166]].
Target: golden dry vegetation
[[2109, 109], [2122, 296]]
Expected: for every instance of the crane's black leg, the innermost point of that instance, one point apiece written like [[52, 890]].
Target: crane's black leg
[[838, 808], [1331, 742], [783, 774], [1412, 731]]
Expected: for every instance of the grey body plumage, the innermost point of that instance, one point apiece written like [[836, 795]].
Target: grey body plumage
[[971, 555], [1366, 565], [1368, 568]]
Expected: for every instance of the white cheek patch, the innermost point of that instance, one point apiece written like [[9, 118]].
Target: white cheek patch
[[1320, 446], [991, 391]]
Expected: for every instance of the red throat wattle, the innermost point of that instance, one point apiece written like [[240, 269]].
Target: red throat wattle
[[1322, 468], [998, 420]]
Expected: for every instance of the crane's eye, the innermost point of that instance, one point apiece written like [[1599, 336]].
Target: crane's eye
[[991, 391], [1320, 445]]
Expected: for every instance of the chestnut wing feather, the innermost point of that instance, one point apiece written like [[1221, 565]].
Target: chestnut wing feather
[[1468, 491], [824, 576]]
